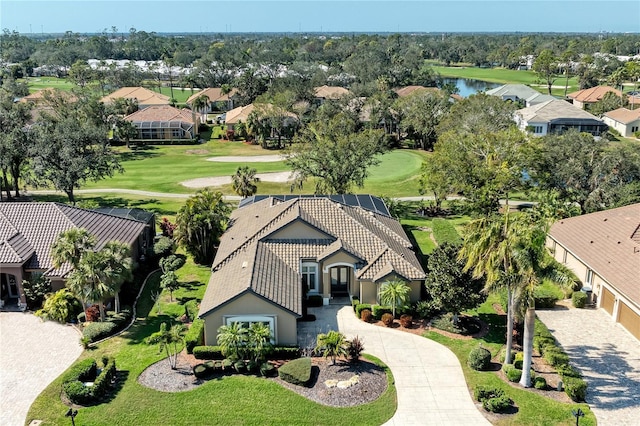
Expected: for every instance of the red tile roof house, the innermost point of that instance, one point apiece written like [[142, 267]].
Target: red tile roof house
[[27, 231], [584, 98], [322, 93], [603, 249], [336, 246], [145, 97], [164, 123], [218, 101]]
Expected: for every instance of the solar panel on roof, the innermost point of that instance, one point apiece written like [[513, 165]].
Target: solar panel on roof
[[367, 202], [380, 206]]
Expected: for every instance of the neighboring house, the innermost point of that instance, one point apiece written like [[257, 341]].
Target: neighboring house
[[408, 90], [27, 231], [625, 121], [148, 218], [557, 116], [39, 98], [322, 93], [241, 114], [276, 248], [584, 98], [218, 101], [520, 94], [603, 249], [145, 97], [164, 123]]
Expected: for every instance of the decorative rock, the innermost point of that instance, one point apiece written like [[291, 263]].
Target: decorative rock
[[331, 383]]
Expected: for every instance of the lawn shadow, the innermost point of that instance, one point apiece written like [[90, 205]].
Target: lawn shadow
[[497, 327], [140, 153], [121, 379], [191, 285]]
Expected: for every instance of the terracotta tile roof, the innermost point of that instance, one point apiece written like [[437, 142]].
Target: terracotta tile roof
[[407, 90], [27, 231], [214, 94], [241, 114], [39, 96], [593, 94], [552, 110], [252, 257], [162, 113], [143, 95], [624, 115], [330, 92], [608, 242]]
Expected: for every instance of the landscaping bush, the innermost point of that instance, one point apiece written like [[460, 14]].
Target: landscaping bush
[[82, 370], [163, 246], [297, 372], [378, 311], [240, 366], [284, 352], [567, 370], [445, 322], [355, 349], [102, 383], [496, 405], [92, 313], [482, 393], [191, 310], [315, 301], [479, 358], [445, 232], [387, 319], [267, 369], [513, 374], [366, 315], [425, 310], [85, 371], [540, 383], [579, 299], [361, 307], [575, 388], [518, 358], [201, 370], [355, 302], [546, 297], [77, 392], [95, 331], [208, 352], [555, 356], [195, 336], [406, 321]]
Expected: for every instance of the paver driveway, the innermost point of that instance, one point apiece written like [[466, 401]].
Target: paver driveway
[[429, 380], [32, 354], [608, 357]]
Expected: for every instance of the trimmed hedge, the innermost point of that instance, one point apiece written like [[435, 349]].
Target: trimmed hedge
[[191, 310], [95, 331], [297, 372], [497, 405], [556, 357], [366, 315], [540, 383], [215, 352], [85, 371], [361, 307], [355, 302], [513, 374], [579, 299], [480, 393], [378, 311], [208, 352], [195, 336], [284, 352], [479, 358], [575, 388]]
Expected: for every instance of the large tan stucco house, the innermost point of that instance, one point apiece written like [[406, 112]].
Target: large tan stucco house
[[603, 249], [276, 247], [27, 231]]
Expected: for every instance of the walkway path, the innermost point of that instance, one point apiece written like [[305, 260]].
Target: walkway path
[[32, 354], [429, 380], [608, 357]]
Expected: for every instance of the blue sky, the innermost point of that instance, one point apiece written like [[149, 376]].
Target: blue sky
[[84, 16]]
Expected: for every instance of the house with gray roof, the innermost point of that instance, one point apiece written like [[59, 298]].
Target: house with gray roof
[[520, 93], [558, 116], [27, 231], [278, 250], [603, 249]]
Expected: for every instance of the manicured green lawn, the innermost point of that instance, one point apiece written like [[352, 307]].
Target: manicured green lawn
[[533, 409], [39, 83], [231, 400]]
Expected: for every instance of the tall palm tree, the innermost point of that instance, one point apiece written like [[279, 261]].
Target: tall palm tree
[[169, 340], [70, 245], [395, 293], [119, 267], [244, 181], [88, 282]]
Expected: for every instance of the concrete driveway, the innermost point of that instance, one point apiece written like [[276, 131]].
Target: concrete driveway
[[32, 354], [607, 356]]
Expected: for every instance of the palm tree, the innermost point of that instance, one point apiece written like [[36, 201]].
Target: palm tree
[[244, 181], [259, 341], [232, 339], [395, 293], [200, 104], [332, 344], [70, 245], [119, 267], [169, 341], [88, 280]]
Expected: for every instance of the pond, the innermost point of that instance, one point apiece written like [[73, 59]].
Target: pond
[[467, 87]]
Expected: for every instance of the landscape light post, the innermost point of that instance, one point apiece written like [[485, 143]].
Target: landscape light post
[[72, 413], [577, 415]]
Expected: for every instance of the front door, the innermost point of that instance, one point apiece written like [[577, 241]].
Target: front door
[[13, 286], [340, 280]]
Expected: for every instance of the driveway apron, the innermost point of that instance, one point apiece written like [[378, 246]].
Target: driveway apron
[[32, 354], [607, 356]]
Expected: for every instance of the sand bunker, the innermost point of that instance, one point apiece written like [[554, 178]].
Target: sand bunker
[[225, 180], [248, 159]]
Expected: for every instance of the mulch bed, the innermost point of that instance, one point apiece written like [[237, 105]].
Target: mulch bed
[[372, 380]]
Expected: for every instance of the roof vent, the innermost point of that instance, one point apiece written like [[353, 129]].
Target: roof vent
[[244, 264], [605, 219]]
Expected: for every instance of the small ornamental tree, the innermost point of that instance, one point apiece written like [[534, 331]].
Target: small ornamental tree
[[169, 340], [35, 290], [395, 293], [167, 227], [332, 345], [169, 281]]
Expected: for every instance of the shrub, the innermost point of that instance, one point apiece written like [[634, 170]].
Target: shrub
[[555, 356], [366, 315], [201, 370], [355, 302], [284, 352], [575, 388], [102, 383], [267, 369], [482, 393], [208, 352], [406, 321], [479, 358], [579, 299], [191, 310], [195, 335], [566, 370], [497, 405], [315, 301], [518, 359], [445, 232], [83, 371], [355, 349], [297, 372], [513, 374], [92, 313], [95, 331], [361, 307], [545, 298], [77, 392], [387, 319], [378, 311], [445, 322], [539, 383], [163, 246], [239, 365], [425, 310]]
